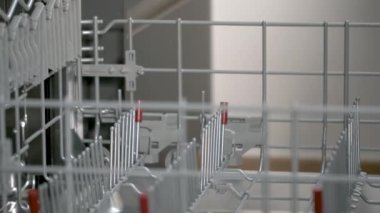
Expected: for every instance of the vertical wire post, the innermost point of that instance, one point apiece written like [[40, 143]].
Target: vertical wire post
[[264, 165], [295, 159], [96, 40], [346, 69], [179, 65], [325, 94]]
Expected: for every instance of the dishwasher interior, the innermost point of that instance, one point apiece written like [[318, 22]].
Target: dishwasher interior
[[63, 152]]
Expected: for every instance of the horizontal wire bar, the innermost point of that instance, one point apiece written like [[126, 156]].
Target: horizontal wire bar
[[194, 106], [270, 176], [237, 23], [311, 148], [259, 72], [277, 198]]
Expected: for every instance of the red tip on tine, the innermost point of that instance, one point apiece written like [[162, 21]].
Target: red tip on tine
[[224, 111], [138, 113], [318, 199], [33, 201], [144, 208]]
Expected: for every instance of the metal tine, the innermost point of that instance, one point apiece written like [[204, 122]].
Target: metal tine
[[44, 198], [205, 155], [112, 141], [103, 166], [94, 167], [194, 168], [193, 160], [126, 137], [173, 190], [86, 184], [53, 193], [208, 151], [133, 137], [91, 182], [221, 132], [62, 190], [217, 139], [130, 138], [98, 168], [91, 162], [117, 151], [189, 186], [84, 180], [204, 164], [82, 183], [202, 158], [212, 143], [77, 195], [116, 156], [122, 148], [215, 144], [188, 168]]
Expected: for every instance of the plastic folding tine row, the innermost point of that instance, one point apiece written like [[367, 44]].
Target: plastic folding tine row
[[89, 187], [213, 144], [344, 162], [124, 144], [47, 39], [176, 183]]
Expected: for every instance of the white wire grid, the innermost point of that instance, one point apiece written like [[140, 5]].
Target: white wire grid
[[175, 191]]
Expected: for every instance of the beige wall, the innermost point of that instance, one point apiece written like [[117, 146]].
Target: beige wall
[[298, 49]]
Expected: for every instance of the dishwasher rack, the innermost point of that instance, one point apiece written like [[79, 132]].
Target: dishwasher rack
[[42, 51]]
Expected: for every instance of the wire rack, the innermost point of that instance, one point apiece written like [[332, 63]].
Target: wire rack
[[115, 170]]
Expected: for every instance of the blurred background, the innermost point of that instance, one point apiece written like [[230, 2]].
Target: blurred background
[[239, 48]]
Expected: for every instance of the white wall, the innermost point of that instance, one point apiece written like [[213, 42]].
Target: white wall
[[298, 49]]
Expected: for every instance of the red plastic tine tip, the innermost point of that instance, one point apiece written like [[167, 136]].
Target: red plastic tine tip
[[138, 113], [33, 201], [318, 199], [224, 111], [144, 208]]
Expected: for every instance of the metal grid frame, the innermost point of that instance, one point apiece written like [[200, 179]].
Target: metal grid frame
[[263, 177]]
